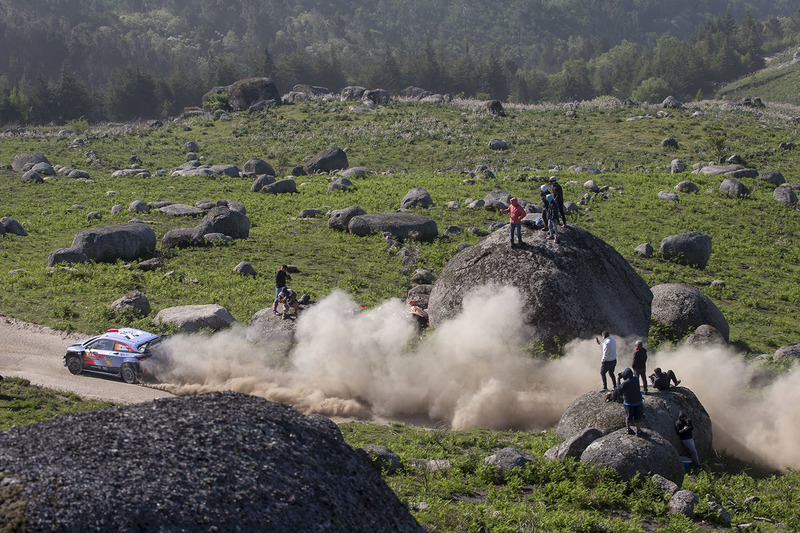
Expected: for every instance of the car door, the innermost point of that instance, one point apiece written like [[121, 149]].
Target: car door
[[98, 356], [119, 353]]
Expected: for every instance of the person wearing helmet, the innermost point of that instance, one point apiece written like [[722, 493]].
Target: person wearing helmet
[[516, 214], [551, 208], [558, 194]]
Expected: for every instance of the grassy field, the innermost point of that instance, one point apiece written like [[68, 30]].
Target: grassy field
[[408, 145]]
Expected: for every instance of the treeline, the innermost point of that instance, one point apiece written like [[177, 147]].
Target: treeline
[[165, 56]]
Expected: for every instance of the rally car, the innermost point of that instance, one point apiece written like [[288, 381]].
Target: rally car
[[124, 352]]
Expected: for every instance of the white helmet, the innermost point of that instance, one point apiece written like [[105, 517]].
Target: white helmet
[[544, 188]]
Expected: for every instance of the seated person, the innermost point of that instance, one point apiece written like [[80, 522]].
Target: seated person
[[661, 380], [288, 300]]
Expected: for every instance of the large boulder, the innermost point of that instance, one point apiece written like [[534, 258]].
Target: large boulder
[[180, 238], [416, 197], [258, 167], [661, 409], [272, 331], [244, 93], [630, 454], [328, 160], [733, 188], [784, 195], [9, 225], [286, 186], [226, 221], [340, 218], [593, 286], [789, 352], [127, 241], [193, 318], [683, 309], [497, 200], [399, 225], [352, 92], [693, 248], [222, 461], [21, 161]]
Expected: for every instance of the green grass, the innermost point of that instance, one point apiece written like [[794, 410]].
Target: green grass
[[408, 144], [22, 403]]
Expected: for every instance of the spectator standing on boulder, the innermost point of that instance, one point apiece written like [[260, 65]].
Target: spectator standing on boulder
[[516, 214], [280, 282], [558, 194], [544, 192], [628, 388], [609, 360], [685, 431], [661, 380], [639, 364], [552, 218]]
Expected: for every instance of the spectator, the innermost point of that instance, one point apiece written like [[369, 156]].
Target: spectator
[[558, 194], [661, 380], [639, 364], [280, 282], [608, 362], [685, 431], [516, 214]]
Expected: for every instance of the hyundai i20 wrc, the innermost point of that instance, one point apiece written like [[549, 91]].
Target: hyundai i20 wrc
[[125, 352]]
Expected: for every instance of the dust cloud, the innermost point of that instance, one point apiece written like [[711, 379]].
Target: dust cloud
[[470, 372]]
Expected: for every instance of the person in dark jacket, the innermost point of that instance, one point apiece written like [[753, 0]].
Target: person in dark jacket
[[558, 194], [628, 390], [685, 431], [661, 380], [639, 364], [280, 282]]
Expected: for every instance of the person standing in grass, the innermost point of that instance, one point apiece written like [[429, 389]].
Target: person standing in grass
[[608, 362], [558, 194], [639, 364], [280, 282], [516, 214]]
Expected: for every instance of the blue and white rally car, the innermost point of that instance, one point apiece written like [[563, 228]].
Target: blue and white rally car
[[124, 352]]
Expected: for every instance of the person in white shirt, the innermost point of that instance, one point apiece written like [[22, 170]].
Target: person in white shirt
[[609, 360]]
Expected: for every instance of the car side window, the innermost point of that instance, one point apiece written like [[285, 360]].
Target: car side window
[[119, 347], [102, 344]]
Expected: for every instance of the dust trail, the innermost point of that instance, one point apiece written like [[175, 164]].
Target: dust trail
[[469, 373]]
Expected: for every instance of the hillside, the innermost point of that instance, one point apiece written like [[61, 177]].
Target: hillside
[[777, 83], [409, 145]]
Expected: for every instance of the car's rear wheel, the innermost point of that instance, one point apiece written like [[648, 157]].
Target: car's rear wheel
[[74, 365], [129, 373]]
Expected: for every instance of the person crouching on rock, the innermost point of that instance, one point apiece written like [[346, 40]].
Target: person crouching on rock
[[661, 380], [516, 214], [628, 388]]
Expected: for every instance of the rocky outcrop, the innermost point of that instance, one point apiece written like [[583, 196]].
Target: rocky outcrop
[[193, 318], [328, 160], [629, 455], [693, 248], [416, 197], [597, 289], [340, 218], [683, 309], [398, 225], [227, 461], [120, 241], [133, 302], [223, 220]]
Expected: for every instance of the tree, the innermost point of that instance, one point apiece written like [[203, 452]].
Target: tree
[[572, 83], [43, 109], [72, 99], [651, 90], [132, 94], [492, 78], [14, 106]]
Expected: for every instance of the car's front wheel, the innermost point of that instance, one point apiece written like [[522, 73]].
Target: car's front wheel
[[129, 373], [74, 365]]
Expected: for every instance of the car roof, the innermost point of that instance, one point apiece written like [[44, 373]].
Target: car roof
[[131, 336]]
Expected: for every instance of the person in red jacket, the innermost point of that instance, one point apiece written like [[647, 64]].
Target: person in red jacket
[[516, 214]]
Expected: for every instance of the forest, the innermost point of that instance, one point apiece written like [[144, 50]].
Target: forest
[[137, 59]]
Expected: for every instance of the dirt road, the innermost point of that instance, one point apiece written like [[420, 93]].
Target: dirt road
[[35, 353]]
